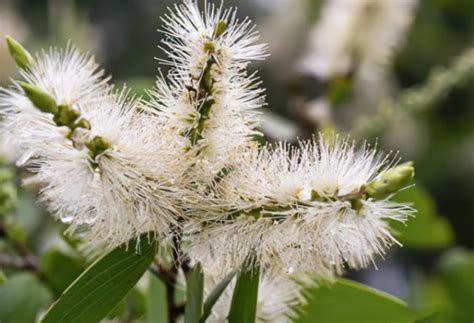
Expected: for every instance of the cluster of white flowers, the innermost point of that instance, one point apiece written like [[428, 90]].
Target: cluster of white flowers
[[185, 162], [356, 34], [307, 209], [102, 162], [208, 98]]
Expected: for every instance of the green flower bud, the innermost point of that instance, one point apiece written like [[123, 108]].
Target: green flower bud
[[209, 47], [66, 116], [39, 98], [97, 146], [19, 54], [220, 28], [83, 123], [391, 181]]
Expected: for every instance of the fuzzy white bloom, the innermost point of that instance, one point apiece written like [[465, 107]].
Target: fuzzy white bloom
[[277, 295], [70, 77], [361, 33], [118, 176], [209, 98], [298, 210]]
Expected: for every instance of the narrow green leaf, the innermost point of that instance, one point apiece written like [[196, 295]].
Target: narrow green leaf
[[243, 308], [214, 296], [194, 294], [103, 285], [157, 302], [22, 297], [348, 301]]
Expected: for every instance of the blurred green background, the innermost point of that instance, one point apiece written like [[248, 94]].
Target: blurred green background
[[425, 111]]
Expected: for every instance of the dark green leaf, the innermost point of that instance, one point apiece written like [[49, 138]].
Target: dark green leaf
[[243, 308], [194, 294], [215, 294], [103, 285], [348, 301], [22, 297], [426, 229]]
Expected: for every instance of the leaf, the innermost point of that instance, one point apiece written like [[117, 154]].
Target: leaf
[[60, 269], [22, 297], [215, 294], [457, 275], [103, 285], [349, 301], [243, 308], [194, 294], [157, 302], [426, 229]]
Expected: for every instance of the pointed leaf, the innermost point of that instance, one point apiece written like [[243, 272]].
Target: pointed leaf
[[194, 294], [215, 294], [157, 302], [243, 308], [103, 285], [349, 301]]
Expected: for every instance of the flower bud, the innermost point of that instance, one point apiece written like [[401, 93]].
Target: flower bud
[[66, 116], [19, 54], [39, 98], [97, 146], [83, 123], [391, 181], [220, 28]]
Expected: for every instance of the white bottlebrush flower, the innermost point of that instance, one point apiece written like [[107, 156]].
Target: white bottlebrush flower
[[209, 99], [70, 78], [117, 175], [192, 35], [351, 34], [277, 295], [301, 209], [68, 75], [127, 190]]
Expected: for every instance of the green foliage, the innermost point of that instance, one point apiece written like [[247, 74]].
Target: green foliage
[[426, 229], [348, 301], [194, 294], [103, 285], [60, 269], [215, 294], [243, 308], [157, 303], [457, 275], [22, 297]]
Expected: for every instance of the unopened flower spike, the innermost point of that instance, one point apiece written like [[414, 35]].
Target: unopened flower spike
[[391, 181], [19, 54]]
